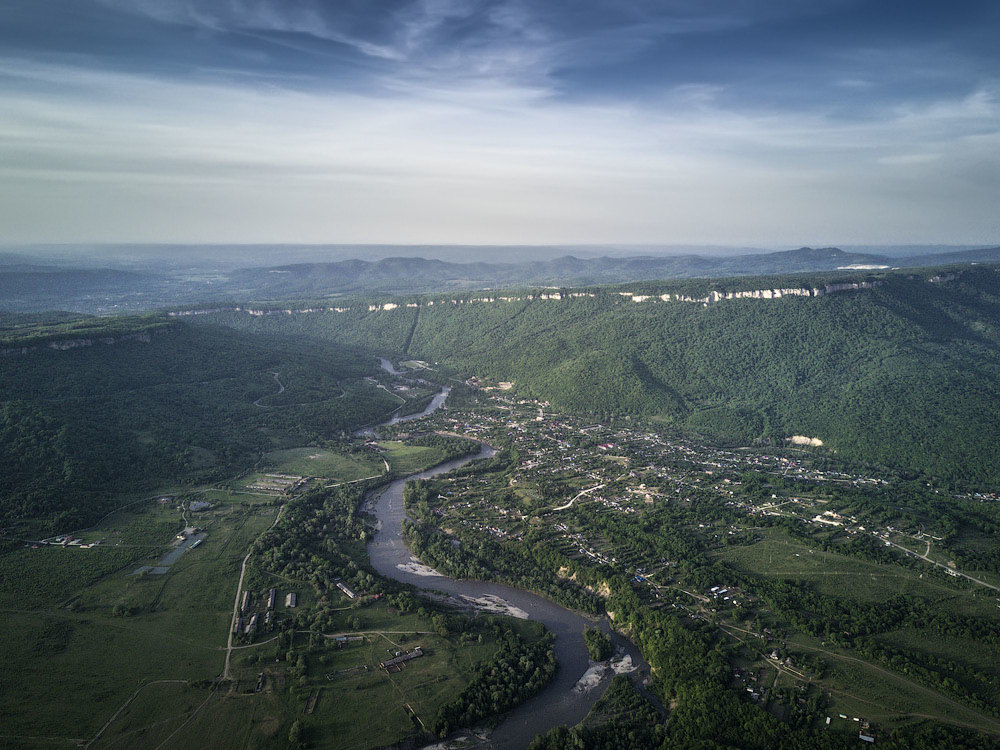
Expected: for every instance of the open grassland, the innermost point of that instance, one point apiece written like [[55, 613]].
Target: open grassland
[[179, 716], [348, 687], [234, 492], [779, 556], [119, 630], [857, 685], [51, 574], [351, 688], [406, 459], [858, 688], [316, 462], [96, 652]]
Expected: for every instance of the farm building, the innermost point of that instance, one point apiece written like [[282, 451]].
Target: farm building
[[396, 663], [343, 587]]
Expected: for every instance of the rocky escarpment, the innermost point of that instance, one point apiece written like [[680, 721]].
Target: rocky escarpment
[[711, 298], [75, 343]]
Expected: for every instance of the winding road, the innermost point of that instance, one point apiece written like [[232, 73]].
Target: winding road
[[281, 389]]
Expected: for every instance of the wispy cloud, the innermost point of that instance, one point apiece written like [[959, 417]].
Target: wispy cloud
[[249, 16], [903, 160], [496, 120], [527, 170]]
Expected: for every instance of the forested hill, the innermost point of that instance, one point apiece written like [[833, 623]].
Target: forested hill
[[905, 373], [94, 409]]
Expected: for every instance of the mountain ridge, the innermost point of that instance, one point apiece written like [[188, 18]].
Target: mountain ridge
[[863, 372]]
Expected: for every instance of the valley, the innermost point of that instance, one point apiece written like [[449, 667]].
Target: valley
[[253, 528], [499, 375], [777, 554]]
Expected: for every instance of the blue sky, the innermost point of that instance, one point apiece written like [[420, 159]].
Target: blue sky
[[767, 122]]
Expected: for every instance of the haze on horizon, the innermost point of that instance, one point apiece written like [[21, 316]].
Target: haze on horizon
[[739, 122]]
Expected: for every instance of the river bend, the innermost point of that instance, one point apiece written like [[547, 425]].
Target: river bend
[[565, 700]]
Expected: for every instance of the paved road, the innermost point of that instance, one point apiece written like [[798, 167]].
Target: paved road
[[953, 571]]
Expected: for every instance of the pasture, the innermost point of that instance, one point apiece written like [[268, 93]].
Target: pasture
[[98, 632], [317, 462]]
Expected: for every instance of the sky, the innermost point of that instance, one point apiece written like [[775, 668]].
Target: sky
[[749, 122]]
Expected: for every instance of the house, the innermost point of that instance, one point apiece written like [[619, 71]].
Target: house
[[290, 599]]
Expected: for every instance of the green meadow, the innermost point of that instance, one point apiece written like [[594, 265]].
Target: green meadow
[[316, 462]]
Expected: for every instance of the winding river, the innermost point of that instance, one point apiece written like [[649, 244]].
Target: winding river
[[577, 684]]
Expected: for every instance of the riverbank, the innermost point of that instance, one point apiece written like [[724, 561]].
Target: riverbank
[[578, 684]]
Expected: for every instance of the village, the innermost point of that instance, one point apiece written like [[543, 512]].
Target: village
[[581, 485], [566, 462]]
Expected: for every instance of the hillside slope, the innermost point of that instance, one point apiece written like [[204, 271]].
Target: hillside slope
[[904, 374], [94, 408]]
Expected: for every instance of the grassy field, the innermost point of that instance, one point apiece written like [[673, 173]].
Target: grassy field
[[51, 574], [349, 685], [235, 492], [316, 462], [406, 459], [92, 649], [352, 686], [84, 659], [175, 715], [857, 687], [779, 556], [878, 694]]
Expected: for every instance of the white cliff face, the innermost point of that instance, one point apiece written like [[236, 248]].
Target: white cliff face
[[803, 440], [832, 288], [712, 298]]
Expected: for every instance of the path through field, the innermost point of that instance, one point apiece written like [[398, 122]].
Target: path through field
[[236, 602]]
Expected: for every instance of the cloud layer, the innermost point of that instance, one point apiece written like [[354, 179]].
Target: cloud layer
[[493, 122]]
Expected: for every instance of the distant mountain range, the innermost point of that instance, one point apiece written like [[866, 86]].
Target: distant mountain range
[[31, 287], [402, 275]]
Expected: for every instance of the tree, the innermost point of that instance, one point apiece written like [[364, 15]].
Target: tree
[[598, 644], [295, 733]]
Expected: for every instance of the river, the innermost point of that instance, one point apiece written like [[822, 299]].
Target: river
[[578, 682]]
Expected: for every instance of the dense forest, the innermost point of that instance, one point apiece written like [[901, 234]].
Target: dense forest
[[903, 374], [621, 720], [517, 671], [145, 402]]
